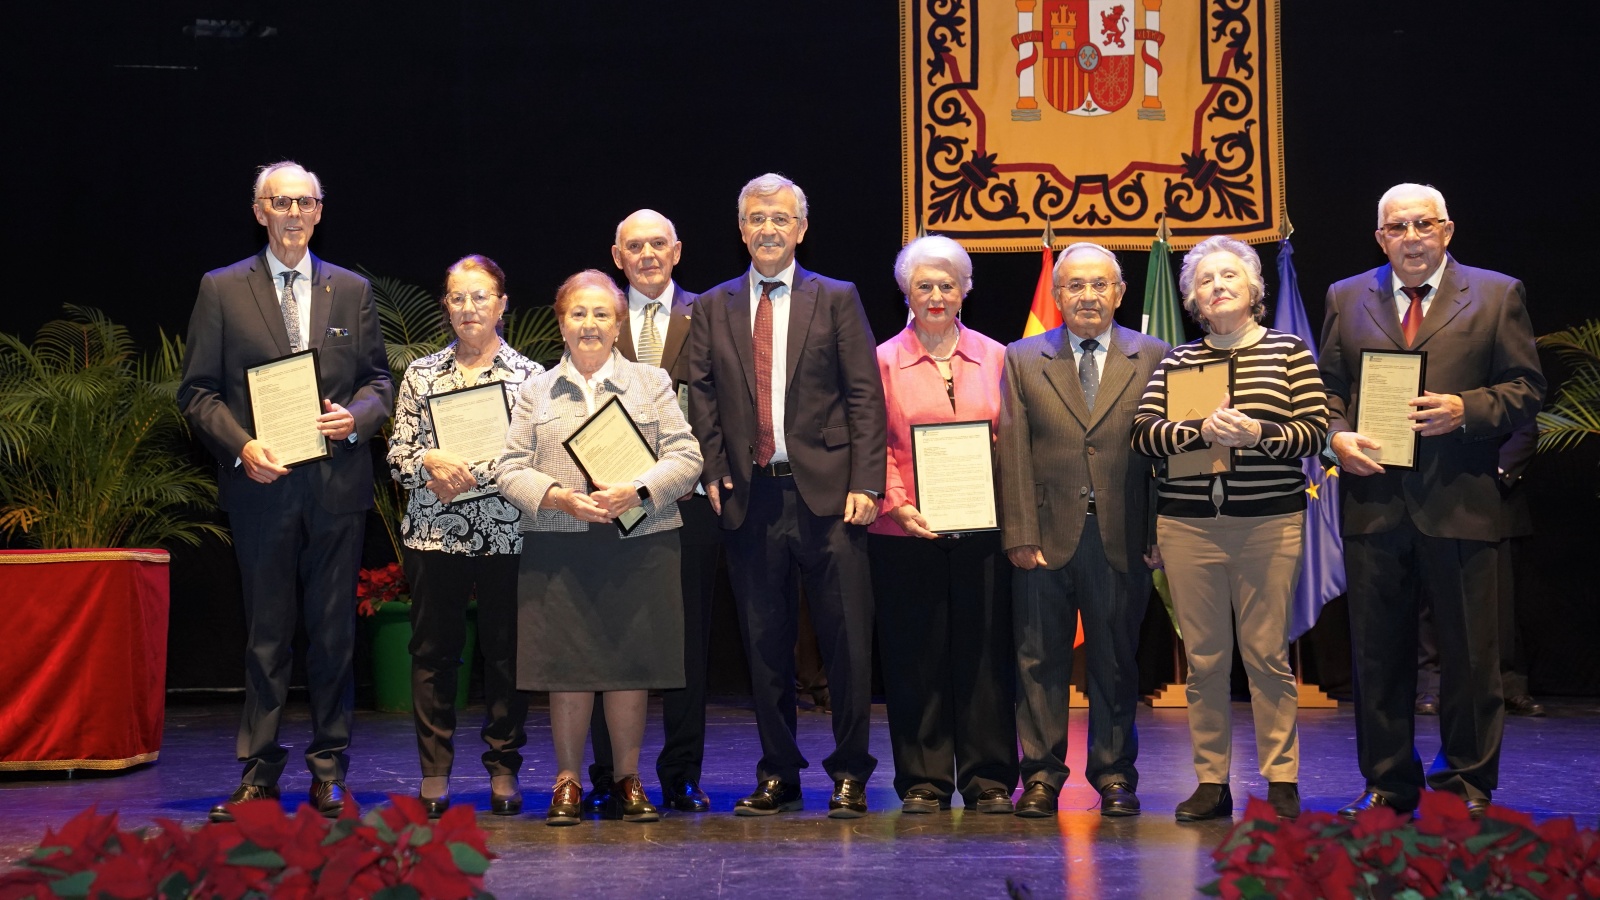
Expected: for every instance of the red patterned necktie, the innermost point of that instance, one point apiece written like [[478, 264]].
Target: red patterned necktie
[[766, 444], [1413, 319]]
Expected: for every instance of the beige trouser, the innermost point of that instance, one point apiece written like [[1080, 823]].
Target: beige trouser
[[1222, 571]]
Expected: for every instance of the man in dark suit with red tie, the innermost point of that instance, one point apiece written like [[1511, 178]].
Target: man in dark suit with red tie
[[657, 332], [296, 532], [1439, 522], [787, 404]]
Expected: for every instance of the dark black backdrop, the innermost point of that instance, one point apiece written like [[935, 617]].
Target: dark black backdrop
[[526, 130]]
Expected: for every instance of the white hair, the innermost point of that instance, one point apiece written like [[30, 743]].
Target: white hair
[[767, 185], [937, 250], [1412, 190], [1252, 275], [1061, 258], [266, 171]]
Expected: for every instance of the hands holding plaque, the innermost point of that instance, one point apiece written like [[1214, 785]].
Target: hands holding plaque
[[1394, 414]]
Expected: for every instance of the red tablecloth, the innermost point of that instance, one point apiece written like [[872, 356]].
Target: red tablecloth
[[83, 658]]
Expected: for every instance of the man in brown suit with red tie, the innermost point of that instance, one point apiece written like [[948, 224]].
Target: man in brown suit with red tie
[[787, 404]]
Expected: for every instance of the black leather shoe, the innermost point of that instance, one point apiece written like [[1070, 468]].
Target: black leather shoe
[[595, 801], [241, 794], [918, 801], [1367, 801], [849, 800], [1427, 705], [771, 796], [505, 804], [994, 801], [1477, 808], [1285, 798], [434, 806], [1524, 705], [328, 798], [685, 797], [1209, 801], [1118, 799], [630, 803], [566, 804], [1038, 801]]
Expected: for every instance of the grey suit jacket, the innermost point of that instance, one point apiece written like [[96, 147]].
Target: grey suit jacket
[[673, 359], [835, 423], [1054, 450], [236, 324], [1480, 346]]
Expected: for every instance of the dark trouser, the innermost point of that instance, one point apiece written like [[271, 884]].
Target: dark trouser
[[683, 711], [1513, 663], [1387, 572], [1044, 613], [441, 588], [779, 531], [944, 632], [296, 543]]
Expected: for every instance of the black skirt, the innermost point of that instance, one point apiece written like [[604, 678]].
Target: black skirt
[[596, 612]]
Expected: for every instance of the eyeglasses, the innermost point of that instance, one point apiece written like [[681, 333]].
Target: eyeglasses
[[1076, 287], [281, 203], [779, 221], [479, 299], [1423, 228]]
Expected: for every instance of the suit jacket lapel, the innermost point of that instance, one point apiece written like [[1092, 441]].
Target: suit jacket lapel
[[1380, 307], [260, 281], [1116, 377], [737, 303], [802, 307], [321, 303], [1453, 298], [1061, 369], [677, 328], [624, 343]]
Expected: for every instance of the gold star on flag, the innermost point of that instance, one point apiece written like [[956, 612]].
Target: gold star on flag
[[1312, 490], [1330, 472]]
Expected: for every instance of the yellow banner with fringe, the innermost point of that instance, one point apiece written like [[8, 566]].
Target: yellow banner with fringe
[[1101, 117]]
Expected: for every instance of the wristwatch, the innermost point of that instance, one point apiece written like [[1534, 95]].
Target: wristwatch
[[644, 492]]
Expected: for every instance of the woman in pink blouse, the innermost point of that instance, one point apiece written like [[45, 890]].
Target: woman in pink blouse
[[943, 600]]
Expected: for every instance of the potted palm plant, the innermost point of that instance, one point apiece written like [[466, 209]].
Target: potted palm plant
[[94, 478], [1573, 413]]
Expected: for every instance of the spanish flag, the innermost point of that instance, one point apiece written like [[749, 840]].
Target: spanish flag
[[1044, 316]]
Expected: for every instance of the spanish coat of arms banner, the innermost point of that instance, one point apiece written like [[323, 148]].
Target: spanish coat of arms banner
[[1101, 117]]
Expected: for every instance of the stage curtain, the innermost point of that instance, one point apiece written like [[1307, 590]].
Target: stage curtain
[[1100, 116], [85, 658]]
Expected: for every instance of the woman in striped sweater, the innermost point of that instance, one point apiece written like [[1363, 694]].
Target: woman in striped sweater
[[1231, 542]]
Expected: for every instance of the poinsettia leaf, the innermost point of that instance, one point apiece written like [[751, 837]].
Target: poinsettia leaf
[[176, 886], [468, 860], [251, 854], [419, 835], [375, 821], [75, 885]]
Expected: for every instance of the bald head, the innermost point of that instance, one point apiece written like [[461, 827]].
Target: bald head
[[646, 249]]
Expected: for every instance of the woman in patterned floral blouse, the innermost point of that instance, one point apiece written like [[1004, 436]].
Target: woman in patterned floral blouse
[[461, 542]]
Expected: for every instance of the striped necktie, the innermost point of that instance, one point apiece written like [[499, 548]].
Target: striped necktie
[[649, 337]]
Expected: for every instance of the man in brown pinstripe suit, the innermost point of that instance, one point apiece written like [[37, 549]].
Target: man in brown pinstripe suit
[[1075, 509]]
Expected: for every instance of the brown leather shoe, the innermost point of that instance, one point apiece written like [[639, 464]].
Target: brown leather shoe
[[328, 798], [565, 804], [242, 794], [630, 803]]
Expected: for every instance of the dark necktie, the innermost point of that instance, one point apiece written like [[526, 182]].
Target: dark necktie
[[649, 337], [291, 311], [1413, 319], [766, 444], [1088, 375]]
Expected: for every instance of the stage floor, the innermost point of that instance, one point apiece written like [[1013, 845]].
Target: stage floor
[[1545, 770]]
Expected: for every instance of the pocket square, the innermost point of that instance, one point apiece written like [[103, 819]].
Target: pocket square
[[338, 332]]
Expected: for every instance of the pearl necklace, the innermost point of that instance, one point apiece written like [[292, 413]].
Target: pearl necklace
[[936, 357]]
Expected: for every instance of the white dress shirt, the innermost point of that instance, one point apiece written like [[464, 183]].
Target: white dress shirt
[[780, 348], [636, 304], [1403, 303], [302, 290]]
